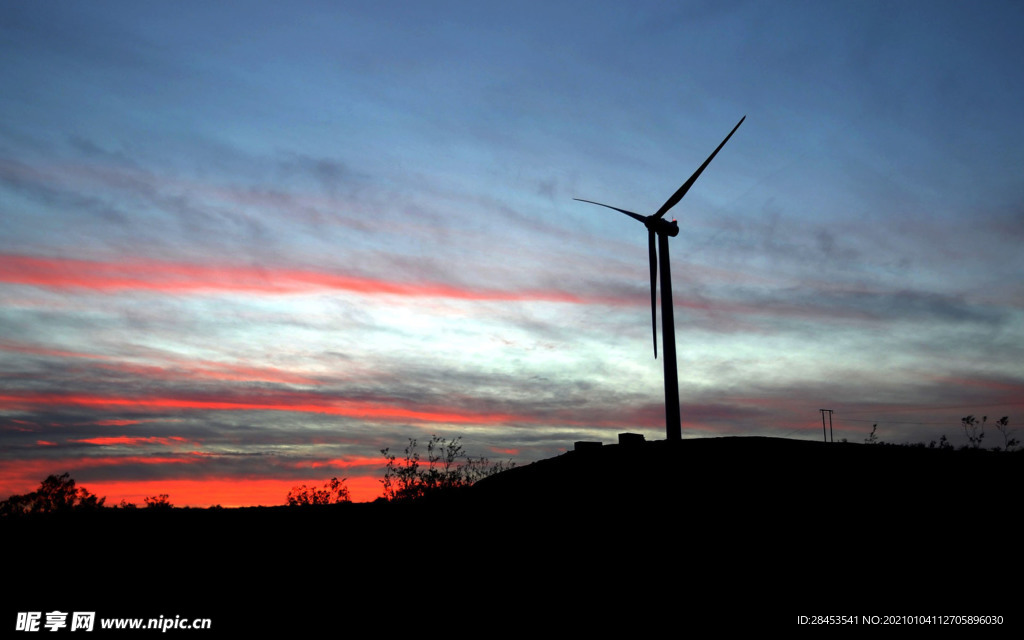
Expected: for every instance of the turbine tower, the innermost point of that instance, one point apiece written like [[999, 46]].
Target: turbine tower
[[657, 225]]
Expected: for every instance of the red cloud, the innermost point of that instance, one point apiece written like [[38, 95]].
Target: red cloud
[[505, 452], [185, 370], [42, 351], [135, 441], [173, 277], [298, 402], [345, 463]]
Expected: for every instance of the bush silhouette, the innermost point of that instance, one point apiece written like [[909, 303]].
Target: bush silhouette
[[334, 492], [448, 468]]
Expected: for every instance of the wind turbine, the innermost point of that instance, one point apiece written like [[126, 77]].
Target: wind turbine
[[656, 224]]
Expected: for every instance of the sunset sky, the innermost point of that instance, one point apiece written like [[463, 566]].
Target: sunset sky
[[246, 245]]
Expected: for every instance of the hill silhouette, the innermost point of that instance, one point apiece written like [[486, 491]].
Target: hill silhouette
[[758, 530]]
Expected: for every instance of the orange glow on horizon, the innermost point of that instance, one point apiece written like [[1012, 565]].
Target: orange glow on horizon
[[25, 477], [242, 492]]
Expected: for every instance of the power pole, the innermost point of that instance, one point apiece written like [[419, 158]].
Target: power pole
[[829, 434]]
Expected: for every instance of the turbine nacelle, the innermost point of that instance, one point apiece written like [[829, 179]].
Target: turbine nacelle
[[662, 226]]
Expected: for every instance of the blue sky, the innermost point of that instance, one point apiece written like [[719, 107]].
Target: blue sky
[[247, 245]]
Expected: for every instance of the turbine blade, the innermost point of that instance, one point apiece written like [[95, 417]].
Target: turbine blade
[[653, 254], [628, 213], [678, 195]]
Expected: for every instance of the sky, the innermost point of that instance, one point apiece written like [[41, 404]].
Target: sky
[[245, 246]]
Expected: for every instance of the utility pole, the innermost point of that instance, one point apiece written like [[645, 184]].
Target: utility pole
[[826, 435]]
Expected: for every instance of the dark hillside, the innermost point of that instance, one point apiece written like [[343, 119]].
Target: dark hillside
[[746, 466], [757, 529], [790, 525]]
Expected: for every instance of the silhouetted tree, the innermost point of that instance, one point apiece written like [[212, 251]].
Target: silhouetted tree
[[158, 502], [15, 505], [448, 468], [55, 494], [974, 430], [873, 436], [334, 492], [1003, 425]]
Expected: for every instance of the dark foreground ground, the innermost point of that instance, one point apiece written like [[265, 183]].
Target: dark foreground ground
[[707, 536]]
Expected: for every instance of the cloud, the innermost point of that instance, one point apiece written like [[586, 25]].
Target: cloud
[[134, 441], [183, 278], [290, 401]]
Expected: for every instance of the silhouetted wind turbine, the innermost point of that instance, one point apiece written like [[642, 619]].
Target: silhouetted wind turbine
[[656, 224]]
